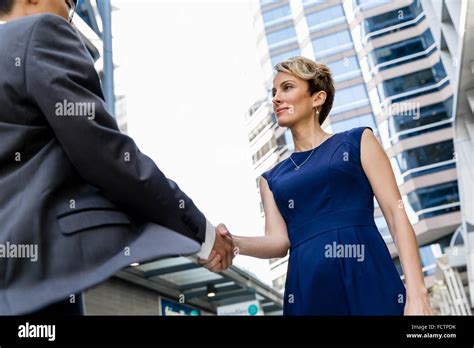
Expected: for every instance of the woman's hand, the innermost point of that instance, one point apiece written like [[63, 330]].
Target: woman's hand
[[215, 263], [418, 305]]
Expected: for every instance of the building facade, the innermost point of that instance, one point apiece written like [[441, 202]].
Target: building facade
[[452, 25]]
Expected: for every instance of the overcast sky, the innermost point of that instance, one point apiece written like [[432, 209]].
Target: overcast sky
[[189, 71]]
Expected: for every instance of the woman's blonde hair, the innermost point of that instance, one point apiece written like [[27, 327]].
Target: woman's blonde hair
[[317, 75]]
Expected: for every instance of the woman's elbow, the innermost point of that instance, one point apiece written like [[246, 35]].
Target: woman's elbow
[[276, 245], [282, 250], [282, 254]]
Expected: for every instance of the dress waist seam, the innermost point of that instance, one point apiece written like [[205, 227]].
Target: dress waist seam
[[329, 221]]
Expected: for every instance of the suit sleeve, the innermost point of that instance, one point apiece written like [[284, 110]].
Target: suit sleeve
[[59, 71]]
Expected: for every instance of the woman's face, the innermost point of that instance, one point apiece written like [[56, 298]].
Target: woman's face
[[292, 102]]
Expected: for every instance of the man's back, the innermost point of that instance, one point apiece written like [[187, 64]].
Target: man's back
[[65, 179]]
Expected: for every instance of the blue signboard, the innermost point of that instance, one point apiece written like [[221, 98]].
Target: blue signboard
[[170, 308]]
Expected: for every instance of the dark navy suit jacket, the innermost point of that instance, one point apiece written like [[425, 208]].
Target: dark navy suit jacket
[[70, 183]]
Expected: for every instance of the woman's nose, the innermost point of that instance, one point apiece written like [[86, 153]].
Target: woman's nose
[[276, 99]]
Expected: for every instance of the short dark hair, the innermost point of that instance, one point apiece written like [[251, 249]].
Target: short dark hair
[[6, 6]]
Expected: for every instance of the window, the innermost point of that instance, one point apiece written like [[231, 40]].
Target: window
[[383, 228], [263, 123], [279, 283], [435, 196], [412, 81], [401, 49], [282, 140], [359, 121], [349, 98], [283, 56], [426, 155], [325, 15], [391, 18], [276, 13], [428, 255], [426, 115], [289, 140], [349, 95], [265, 2], [345, 68], [281, 35], [332, 43], [366, 4], [271, 144]]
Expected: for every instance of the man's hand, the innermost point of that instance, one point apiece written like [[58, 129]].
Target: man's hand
[[222, 252]]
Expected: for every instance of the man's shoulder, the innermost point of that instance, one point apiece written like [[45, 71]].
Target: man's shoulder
[[49, 19], [39, 18], [27, 23]]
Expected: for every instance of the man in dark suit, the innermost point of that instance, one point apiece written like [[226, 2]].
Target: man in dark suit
[[78, 200]]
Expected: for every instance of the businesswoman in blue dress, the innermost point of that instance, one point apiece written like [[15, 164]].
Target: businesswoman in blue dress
[[318, 204]]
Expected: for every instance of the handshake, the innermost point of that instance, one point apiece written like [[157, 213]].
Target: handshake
[[222, 252]]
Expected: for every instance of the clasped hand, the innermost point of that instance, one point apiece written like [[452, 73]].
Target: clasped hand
[[222, 253]]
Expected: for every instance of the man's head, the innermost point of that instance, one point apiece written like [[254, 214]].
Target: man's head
[[11, 9]]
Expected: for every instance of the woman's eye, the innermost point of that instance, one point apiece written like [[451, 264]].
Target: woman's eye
[[286, 87]]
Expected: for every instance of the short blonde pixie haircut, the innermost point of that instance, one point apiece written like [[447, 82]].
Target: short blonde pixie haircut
[[317, 75]]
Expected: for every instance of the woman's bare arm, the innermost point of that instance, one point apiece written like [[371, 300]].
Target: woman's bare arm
[[275, 242], [378, 170]]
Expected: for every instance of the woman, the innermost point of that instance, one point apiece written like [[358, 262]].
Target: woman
[[319, 204]]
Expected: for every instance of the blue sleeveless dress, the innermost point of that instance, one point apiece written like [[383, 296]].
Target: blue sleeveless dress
[[339, 263]]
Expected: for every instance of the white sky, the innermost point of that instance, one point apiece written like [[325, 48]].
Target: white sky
[[189, 71]]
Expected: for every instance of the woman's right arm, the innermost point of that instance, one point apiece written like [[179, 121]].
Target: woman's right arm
[[275, 242]]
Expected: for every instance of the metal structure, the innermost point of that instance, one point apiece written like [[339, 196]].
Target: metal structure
[[94, 22], [448, 292], [186, 281]]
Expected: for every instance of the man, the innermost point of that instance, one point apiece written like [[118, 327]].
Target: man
[[78, 200]]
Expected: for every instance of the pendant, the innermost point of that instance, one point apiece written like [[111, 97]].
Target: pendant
[[297, 168]]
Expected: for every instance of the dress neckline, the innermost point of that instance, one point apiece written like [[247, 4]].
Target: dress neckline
[[315, 148]]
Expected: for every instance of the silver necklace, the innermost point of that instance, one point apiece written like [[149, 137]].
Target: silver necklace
[[297, 167]]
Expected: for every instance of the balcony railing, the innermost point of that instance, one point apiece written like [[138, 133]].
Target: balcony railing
[[418, 170], [411, 94], [395, 138], [327, 24], [348, 106], [278, 20], [406, 59], [384, 31], [438, 208]]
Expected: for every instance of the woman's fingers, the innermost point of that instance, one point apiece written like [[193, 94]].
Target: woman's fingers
[[222, 229], [214, 262]]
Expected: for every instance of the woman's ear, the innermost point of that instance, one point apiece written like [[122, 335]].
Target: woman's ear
[[319, 98]]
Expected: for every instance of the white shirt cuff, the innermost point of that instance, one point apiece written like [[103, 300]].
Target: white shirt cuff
[[207, 246]]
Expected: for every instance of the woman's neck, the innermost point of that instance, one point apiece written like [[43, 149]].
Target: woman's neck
[[307, 136]]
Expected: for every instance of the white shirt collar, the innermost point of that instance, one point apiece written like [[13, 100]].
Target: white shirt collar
[[2, 22]]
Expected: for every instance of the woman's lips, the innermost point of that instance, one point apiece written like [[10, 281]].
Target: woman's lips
[[281, 110]]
